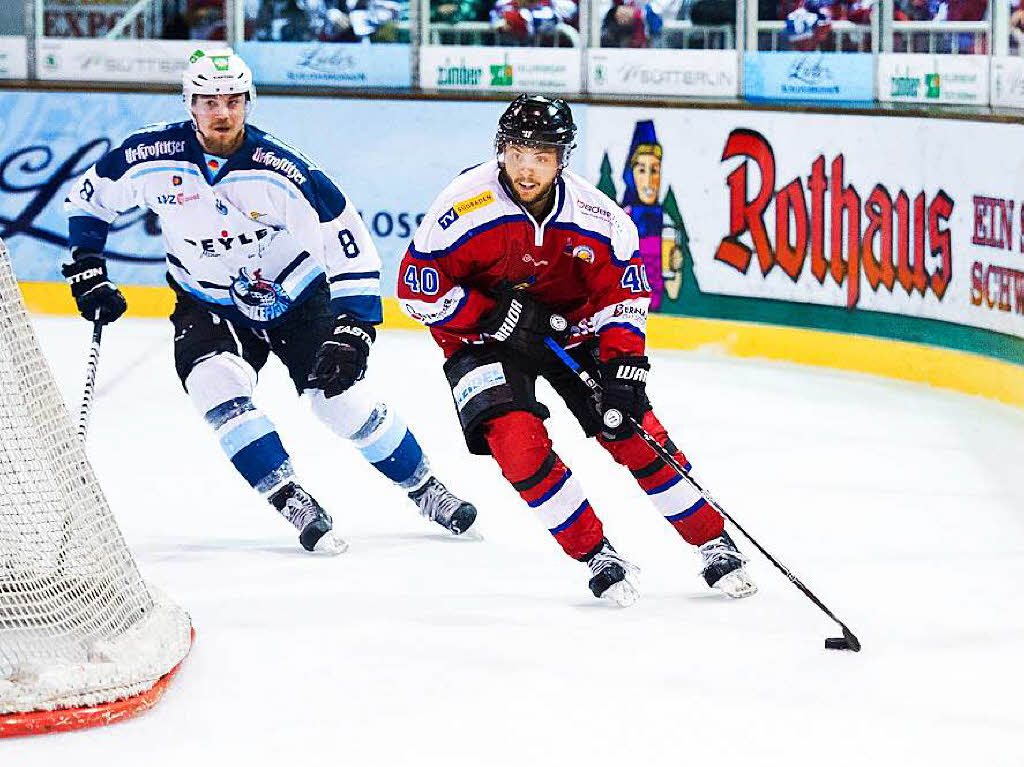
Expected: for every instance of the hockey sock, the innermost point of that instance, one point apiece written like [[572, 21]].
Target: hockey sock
[[387, 443], [250, 441], [683, 507], [520, 444]]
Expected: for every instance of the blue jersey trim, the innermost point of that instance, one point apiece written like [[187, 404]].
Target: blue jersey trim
[[624, 326], [364, 308], [283, 274], [88, 233], [475, 231], [453, 315], [355, 276]]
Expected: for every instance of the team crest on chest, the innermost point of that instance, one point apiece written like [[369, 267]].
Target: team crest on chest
[[259, 299], [582, 252]]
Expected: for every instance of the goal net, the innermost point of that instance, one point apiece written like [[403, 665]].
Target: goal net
[[79, 628]]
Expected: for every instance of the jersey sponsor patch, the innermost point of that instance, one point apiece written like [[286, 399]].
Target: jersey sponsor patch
[[259, 299], [142, 152], [476, 381], [282, 165], [583, 252], [459, 209]]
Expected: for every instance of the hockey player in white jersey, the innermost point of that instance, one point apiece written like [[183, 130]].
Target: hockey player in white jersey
[[264, 254]]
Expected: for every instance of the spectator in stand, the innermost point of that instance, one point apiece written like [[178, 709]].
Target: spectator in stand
[[968, 10], [1017, 26], [454, 11], [809, 27], [531, 22], [914, 10], [632, 24]]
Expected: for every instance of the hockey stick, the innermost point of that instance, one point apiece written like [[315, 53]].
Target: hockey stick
[[83, 426], [613, 419], [90, 380]]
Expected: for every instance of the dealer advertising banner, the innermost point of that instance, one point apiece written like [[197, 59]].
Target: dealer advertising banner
[[809, 76], [890, 226], [662, 72], [153, 61], [484, 68], [342, 65], [1008, 81], [49, 139], [933, 79], [13, 58]]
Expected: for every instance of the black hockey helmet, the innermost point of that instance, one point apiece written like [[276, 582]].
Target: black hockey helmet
[[538, 121]]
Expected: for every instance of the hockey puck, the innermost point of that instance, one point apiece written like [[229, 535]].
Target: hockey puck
[[840, 643], [612, 419], [558, 323]]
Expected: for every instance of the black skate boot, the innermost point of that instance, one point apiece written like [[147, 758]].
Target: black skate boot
[[312, 522], [723, 567], [436, 502], [611, 574]]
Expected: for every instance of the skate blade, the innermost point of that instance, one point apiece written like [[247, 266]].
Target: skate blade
[[622, 593], [330, 545], [471, 535], [736, 585]]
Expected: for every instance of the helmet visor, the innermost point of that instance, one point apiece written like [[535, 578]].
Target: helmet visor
[[505, 141]]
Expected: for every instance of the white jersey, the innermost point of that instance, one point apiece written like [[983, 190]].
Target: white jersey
[[250, 238]]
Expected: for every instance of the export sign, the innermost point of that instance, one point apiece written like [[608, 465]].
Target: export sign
[[479, 68], [933, 79], [662, 72]]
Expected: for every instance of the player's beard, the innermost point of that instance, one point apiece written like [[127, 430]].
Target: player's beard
[[221, 143]]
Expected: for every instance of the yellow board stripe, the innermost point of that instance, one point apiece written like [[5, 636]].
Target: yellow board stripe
[[945, 368]]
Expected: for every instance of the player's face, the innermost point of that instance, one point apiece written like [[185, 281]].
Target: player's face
[[221, 120], [647, 175], [531, 170]]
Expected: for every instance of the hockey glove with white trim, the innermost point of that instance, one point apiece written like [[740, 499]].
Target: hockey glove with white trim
[[98, 298], [522, 323], [623, 387], [341, 359]]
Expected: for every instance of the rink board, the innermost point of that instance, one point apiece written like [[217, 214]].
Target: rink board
[[944, 368], [857, 242]]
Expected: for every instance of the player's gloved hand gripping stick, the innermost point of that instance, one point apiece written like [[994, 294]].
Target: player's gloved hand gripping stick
[[614, 419]]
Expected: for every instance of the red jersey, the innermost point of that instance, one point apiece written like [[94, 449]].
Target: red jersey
[[581, 261]]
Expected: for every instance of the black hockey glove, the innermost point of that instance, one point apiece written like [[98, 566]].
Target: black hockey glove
[[97, 297], [522, 323], [623, 387], [341, 359]]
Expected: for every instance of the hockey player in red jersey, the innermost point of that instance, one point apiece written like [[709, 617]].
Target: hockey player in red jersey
[[506, 247]]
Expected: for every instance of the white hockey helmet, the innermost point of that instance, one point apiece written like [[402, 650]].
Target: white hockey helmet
[[210, 72]]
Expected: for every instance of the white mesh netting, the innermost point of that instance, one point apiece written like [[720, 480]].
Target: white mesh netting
[[78, 625]]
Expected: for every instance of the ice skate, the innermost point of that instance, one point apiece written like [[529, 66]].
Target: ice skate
[[439, 504], [723, 567], [308, 516], [611, 575]]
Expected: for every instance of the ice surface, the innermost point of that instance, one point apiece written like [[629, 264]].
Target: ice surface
[[900, 505]]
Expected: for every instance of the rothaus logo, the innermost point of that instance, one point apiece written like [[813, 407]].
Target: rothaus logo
[[281, 164], [142, 152], [631, 373], [515, 311]]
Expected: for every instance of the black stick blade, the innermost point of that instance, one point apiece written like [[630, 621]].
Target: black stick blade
[[846, 642]]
